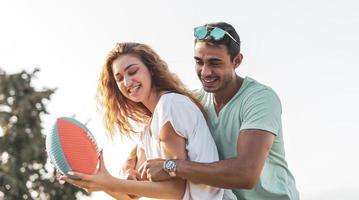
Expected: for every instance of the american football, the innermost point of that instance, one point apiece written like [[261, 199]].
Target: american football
[[72, 147]]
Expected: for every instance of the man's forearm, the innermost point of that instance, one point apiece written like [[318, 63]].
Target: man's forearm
[[228, 173], [253, 147]]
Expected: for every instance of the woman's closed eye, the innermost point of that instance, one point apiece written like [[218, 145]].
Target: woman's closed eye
[[132, 72]]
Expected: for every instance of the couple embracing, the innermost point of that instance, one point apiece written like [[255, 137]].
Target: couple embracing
[[223, 141]]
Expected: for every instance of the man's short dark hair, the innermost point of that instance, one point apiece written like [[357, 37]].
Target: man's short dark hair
[[232, 46]]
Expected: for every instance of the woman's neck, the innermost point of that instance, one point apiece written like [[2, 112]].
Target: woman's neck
[[152, 100]]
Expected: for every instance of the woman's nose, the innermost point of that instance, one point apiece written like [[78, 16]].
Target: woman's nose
[[127, 81]]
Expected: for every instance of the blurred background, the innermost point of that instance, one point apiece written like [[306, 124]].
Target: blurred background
[[305, 50]]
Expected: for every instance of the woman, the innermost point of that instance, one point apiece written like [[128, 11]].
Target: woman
[[136, 89]]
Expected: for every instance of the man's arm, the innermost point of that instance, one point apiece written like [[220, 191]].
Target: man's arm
[[242, 171]]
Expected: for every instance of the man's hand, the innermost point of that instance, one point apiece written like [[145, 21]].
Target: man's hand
[[153, 170]]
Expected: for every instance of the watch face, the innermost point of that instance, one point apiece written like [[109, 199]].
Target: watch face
[[170, 165]]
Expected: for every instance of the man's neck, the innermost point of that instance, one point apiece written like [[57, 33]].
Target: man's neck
[[222, 97]]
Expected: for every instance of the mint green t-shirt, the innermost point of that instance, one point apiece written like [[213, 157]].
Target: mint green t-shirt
[[254, 106]]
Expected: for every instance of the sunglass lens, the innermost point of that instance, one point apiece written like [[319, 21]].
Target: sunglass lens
[[200, 32], [217, 33]]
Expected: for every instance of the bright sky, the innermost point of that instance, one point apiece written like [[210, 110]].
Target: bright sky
[[305, 50]]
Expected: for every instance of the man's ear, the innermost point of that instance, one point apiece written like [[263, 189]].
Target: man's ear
[[237, 60]]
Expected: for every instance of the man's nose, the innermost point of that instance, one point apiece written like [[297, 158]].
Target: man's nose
[[205, 71]]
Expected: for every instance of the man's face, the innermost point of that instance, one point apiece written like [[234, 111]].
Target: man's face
[[214, 67]]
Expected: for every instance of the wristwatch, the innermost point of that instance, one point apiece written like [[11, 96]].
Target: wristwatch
[[170, 167]]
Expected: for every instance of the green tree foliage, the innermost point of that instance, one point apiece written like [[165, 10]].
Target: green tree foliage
[[24, 170]]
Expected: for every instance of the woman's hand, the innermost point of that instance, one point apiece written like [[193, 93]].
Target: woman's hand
[[132, 174], [101, 181]]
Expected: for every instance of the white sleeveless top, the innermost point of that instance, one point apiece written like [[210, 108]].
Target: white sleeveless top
[[188, 122]]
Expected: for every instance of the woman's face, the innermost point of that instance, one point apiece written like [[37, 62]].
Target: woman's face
[[132, 77]]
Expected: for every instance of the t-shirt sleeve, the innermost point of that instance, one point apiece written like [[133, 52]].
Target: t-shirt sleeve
[[262, 110], [182, 114]]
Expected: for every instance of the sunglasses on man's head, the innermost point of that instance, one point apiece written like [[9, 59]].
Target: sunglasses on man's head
[[201, 33]]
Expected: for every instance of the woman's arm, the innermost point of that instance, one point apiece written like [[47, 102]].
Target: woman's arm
[[119, 196], [173, 146], [135, 159], [129, 165]]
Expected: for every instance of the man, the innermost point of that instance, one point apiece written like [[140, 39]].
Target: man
[[245, 120]]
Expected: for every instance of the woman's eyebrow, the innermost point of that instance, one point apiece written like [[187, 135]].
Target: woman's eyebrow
[[126, 68], [130, 65]]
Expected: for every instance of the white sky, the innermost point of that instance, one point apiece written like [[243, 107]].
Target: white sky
[[306, 50]]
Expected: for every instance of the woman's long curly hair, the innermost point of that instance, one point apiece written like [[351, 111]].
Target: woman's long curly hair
[[119, 111]]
